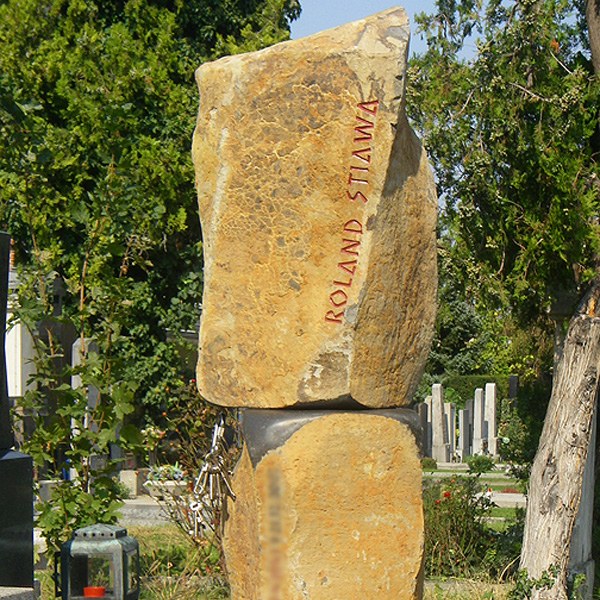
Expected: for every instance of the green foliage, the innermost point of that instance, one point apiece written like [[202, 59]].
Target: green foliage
[[97, 107], [480, 463], [188, 423], [71, 507], [458, 542], [511, 134], [428, 463], [520, 426], [476, 343], [525, 585]]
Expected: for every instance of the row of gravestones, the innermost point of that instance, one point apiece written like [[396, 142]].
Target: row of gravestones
[[451, 435]]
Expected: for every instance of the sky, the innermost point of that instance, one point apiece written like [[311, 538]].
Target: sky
[[323, 14]]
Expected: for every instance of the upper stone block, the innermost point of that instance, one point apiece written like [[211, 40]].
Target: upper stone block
[[318, 212]]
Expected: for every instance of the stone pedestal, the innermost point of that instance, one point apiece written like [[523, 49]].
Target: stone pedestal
[[328, 507]]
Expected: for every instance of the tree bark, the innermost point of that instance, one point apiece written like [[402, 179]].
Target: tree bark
[[592, 15], [557, 473]]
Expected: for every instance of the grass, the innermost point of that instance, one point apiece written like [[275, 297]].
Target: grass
[[503, 513], [465, 590], [498, 482]]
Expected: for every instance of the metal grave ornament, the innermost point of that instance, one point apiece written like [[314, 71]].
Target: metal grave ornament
[[100, 561]]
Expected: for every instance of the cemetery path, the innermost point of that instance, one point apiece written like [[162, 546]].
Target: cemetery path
[[142, 510], [509, 500]]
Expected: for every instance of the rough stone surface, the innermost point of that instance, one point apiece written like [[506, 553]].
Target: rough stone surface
[[318, 213], [336, 512]]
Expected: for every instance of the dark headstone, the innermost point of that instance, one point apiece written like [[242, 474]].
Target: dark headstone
[[513, 386], [16, 520]]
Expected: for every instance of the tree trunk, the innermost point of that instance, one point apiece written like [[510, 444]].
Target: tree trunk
[[557, 473], [592, 16]]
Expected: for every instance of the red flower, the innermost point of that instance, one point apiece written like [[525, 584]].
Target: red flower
[[437, 501], [447, 494]]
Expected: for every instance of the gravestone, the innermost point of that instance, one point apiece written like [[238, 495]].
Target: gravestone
[[16, 471], [440, 447], [318, 212], [464, 435], [328, 506], [423, 412], [450, 416], [478, 423], [491, 426]]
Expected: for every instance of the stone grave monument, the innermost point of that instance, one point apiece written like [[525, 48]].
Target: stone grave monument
[[16, 474], [318, 213]]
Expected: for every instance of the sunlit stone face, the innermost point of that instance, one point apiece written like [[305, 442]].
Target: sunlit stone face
[[318, 214]]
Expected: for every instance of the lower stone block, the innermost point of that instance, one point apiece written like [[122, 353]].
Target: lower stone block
[[328, 507]]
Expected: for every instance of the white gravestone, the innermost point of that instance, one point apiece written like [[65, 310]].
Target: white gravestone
[[478, 423], [450, 416], [490, 418]]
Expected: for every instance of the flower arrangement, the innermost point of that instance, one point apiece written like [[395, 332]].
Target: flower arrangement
[[172, 472]]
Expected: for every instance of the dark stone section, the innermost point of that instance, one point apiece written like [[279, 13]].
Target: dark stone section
[[16, 520], [266, 429]]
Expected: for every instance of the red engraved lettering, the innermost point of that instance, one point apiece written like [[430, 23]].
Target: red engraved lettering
[[333, 317], [353, 226], [348, 265], [350, 245], [344, 283], [352, 179], [338, 298], [363, 154], [357, 195], [361, 130], [370, 107]]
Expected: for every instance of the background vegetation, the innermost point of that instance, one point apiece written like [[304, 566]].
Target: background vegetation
[[97, 110]]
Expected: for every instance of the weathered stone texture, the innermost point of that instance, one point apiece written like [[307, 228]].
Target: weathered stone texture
[[318, 213], [335, 512]]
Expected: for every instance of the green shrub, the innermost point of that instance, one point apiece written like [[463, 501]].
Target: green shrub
[[429, 464], [458, 540], [480, 463], [465, 385], [456, 537]]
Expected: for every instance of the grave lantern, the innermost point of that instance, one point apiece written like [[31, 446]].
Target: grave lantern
[[101, 561]]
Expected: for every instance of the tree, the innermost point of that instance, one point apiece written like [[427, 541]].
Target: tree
[[513, 132], [97, 109]]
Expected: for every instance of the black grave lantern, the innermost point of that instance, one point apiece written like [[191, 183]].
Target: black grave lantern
[[101, 561]]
